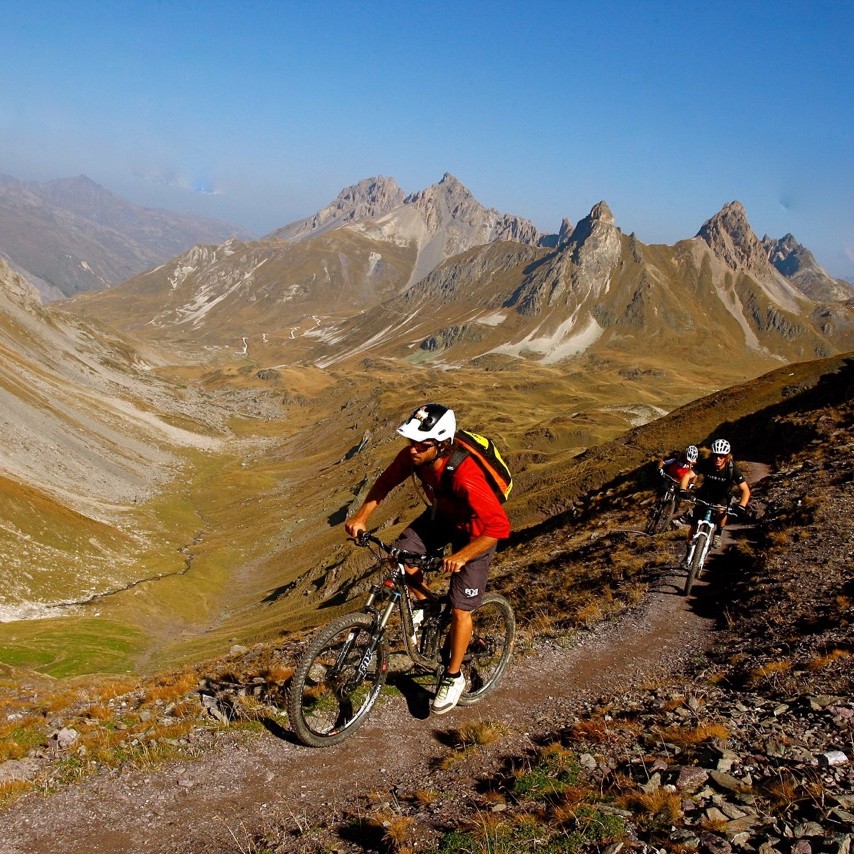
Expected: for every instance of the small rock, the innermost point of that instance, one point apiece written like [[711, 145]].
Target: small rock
[[691, 778], [832, 757]]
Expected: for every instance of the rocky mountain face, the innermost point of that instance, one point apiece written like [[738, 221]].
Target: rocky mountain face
[[370, 198], [799, 266], [713, 299], [72, 235], [460, 282]]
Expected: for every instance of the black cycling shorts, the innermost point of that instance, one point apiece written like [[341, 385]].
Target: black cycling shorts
[[428, 536]]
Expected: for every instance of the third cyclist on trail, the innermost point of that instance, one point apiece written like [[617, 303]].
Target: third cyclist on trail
[[465, 512]]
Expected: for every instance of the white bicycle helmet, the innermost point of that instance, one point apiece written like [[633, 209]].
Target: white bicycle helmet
[[721, 446], [430, 421], [692, 454]]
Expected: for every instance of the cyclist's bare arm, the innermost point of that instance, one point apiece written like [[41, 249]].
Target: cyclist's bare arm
[[473, 549], [358, 522], [687, 478], [745, 494]]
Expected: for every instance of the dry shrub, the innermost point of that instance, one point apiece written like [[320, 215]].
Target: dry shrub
[[476, 733], [99, 712], [687, 736], [773, 668], [661, 805], [823, 661], [115, 688], [783, 792], [570, 799], [170, 687], [11, 789], [278, 675], [397, 830], [425, 797], [589, 614], [590, 731]]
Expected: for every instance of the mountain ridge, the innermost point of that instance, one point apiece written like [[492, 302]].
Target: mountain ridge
[[71, 234], [571, 295]]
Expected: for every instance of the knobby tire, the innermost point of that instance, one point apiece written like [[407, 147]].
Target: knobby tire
[[490, 649], [327, 702], [696, 562], [660, 514]]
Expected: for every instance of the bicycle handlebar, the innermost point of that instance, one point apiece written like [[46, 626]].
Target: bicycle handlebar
[[425, 562], [720, 508]]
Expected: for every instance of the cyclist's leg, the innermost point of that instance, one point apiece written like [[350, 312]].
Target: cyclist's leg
[[422, 537], [466, 594]]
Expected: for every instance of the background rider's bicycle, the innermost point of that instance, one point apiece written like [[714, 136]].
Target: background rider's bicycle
[[339, 676], [663, 507], [698, 549]]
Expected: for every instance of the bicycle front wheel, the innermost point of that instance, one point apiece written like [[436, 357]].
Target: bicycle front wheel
[[493, 636], [337, 681], [653, 517], [700, 548]]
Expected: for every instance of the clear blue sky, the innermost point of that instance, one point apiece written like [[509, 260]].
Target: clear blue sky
[[260, 112]]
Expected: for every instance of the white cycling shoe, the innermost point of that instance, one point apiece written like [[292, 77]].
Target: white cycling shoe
[[448, 694]]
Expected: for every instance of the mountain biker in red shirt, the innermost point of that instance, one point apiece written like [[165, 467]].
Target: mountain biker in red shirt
[[677, 465], [674, 468], [720, 476], [465, 513]]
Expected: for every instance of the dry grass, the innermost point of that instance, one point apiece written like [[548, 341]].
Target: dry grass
[[170, 687], [690, 736], [825, 660], [11, 789], [769, 671], [661, 806]]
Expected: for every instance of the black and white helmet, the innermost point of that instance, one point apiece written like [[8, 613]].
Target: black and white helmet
[[692, 454], [721, 446], [430, 421]]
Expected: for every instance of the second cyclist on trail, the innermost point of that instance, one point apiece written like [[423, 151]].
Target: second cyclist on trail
[[465, 513]]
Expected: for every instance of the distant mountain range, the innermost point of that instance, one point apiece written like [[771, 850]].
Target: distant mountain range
[[437, 278], [72, 235]]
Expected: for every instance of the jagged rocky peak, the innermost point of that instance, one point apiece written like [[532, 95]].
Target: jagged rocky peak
[[450, 201], [800, 267], [600, 215], [730, 237], [566, 230], [367, 199], [787, 255], [370, 197]]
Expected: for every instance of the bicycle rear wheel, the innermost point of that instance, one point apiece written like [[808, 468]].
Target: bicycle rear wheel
[[493, 636], [336, 682], [700, 549]]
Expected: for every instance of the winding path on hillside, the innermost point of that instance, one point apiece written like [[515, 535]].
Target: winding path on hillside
[[218, 802]]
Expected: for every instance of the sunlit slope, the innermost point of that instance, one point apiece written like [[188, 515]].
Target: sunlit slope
[[248, 542]]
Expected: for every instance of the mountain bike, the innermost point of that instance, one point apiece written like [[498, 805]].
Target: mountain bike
[[698, 548], [663, 508], [341, 673]]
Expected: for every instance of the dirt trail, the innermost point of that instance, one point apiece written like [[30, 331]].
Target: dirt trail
[[217, 802]]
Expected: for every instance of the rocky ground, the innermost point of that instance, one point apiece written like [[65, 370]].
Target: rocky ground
[[722, 722]]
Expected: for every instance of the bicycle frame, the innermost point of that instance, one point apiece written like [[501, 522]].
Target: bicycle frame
[[394, 589], [341, 672], [702, 540]]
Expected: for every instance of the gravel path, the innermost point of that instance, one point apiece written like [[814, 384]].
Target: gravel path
[[242, 787]]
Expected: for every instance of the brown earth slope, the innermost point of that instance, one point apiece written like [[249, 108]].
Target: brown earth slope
[[718, 722]]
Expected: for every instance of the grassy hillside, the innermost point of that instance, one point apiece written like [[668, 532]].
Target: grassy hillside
[[246, 542]]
